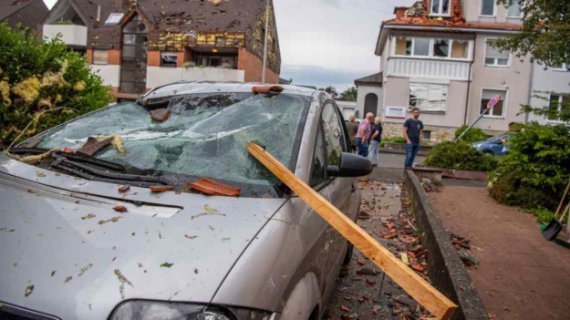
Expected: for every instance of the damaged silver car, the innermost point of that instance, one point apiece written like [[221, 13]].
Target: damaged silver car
[[103, 217]]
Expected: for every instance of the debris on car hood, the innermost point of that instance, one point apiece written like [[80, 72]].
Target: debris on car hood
[[52, 234], [214, 188]]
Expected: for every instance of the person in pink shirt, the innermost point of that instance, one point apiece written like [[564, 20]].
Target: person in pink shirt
[[363, 135]]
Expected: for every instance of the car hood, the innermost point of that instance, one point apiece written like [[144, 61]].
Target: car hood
[[65, 251]]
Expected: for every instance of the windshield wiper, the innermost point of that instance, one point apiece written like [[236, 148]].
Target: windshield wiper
[[89, 170]]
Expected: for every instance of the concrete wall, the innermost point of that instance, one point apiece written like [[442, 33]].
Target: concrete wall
[[398, 92], [158, 76], [544, 82], [363, 91], [515, 79], [110, 74], [71, 34], [347, 108]]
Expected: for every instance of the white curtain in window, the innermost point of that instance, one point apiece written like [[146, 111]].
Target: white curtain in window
[[428, 96]]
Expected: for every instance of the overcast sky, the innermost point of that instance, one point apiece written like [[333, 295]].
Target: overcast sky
[[328, 42]]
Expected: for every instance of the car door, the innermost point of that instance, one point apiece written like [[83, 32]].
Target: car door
[[330, 144]]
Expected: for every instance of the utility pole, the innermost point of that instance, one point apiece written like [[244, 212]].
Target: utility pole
[[266, 33]]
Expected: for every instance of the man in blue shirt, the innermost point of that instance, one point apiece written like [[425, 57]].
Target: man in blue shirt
[[413, 129]]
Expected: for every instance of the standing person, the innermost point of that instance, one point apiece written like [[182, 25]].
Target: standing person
[[352, 127], [413, 129], [375, 141], [363, 135]]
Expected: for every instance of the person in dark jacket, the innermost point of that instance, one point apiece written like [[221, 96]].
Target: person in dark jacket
[[413, 129], [352, 127]]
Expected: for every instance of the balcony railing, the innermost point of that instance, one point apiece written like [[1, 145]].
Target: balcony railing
[[71, 34], [438, 69]]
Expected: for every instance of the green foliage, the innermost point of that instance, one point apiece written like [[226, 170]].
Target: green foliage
[[552, 110], [395, 140], [536, 170], [542, 215], [460, 156], [545, 32], [37, 76], [349, 94], [473, 135]]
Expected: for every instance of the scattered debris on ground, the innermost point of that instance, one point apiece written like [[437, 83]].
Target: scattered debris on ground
[[363, 291], [463, 246]]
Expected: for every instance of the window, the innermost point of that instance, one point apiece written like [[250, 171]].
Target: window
[[426, 135], [421, 47], [499, 109], [114, 18], [318, 171], [494, 57], [487, 7], [334, 135], [434, 48], [403, 46], [428, 96], [441, 48], [459, 49], [168, 59], [100, 57], [514, 9], [558, 104], [220, 41], [440, 7]]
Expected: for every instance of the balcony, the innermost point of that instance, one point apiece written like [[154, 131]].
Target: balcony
[[71, 34], [428, 68], [157, 76]]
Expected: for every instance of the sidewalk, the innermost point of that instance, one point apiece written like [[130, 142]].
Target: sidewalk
[[520, 275]]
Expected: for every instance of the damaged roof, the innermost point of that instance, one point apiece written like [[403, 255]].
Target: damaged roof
[[181, 15], [25, 12], [417, 17]]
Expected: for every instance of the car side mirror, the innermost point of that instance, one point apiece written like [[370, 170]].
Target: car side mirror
[[351, 165]]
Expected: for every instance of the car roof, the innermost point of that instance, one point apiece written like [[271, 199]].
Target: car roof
[[196, 87]]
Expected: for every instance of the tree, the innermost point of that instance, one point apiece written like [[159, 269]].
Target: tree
[[349, 94], [36, 77], [545, 33]]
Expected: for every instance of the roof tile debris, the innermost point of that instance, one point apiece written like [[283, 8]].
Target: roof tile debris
[[418, 14]]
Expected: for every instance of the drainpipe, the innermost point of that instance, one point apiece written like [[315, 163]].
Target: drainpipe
[[469, 87], [265, 41], [527, 114]]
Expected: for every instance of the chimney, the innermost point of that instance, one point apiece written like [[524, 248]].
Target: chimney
[[400, 11]]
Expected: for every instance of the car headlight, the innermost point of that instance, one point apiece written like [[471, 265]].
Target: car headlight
[[159, 310]]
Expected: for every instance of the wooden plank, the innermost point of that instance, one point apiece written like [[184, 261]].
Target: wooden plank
[[423, 292]]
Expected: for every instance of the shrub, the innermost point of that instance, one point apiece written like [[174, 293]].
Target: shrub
[[395, 140], [460, 156], [536, 170], [37, 76], [473, 135]]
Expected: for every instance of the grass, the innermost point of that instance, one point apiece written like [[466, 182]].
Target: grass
[[542, 215]]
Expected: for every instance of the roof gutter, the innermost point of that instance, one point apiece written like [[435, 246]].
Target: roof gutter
[[448, 28]]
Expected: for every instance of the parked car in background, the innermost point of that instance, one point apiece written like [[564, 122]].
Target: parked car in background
[[68, 252], [497, 145]]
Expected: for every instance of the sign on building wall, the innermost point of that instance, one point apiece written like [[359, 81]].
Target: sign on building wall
[[395, 112]]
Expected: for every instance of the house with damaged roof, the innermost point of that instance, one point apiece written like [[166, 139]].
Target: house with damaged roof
[[136, 45], [27, 13], [440, 56]]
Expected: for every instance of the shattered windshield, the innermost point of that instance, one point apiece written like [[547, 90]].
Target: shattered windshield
[[202, 135]]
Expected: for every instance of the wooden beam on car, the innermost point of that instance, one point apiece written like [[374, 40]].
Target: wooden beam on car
[[423, 292]]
